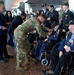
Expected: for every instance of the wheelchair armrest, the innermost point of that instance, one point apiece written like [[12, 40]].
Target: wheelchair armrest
[[72, 51]]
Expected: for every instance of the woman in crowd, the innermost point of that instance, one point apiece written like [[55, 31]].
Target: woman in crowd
[[8, 18]]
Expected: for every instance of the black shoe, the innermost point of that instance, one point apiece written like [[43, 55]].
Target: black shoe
[[8, 56], [3, 61]]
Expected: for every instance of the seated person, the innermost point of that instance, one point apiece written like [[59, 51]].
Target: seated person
[[60, 57], [50, 40]]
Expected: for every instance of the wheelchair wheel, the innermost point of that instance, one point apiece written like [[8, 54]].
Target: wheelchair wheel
[[44, 62]]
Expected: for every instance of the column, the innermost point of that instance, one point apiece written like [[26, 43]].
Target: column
[[71, 5], [28, 7]]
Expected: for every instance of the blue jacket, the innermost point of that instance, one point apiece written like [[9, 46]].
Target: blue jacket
[[65, 41], [54, 37]]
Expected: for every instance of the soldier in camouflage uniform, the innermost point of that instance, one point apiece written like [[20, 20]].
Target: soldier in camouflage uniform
[[22, 43]]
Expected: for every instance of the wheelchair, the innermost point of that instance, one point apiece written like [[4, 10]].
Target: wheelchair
[[67, 69], [45, 61], [70, 66]]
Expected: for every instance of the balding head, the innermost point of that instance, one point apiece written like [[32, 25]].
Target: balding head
[[2, 8]]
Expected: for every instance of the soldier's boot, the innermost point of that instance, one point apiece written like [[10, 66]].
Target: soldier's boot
[[21, 68], [19, 64], [31, 61]]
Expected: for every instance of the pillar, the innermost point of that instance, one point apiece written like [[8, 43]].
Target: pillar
[[71, 5]]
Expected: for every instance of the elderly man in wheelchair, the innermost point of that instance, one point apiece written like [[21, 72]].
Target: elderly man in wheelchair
[[49, 41], [61, 56]]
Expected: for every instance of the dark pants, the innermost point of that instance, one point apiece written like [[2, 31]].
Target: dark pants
[[58, 63], [42, 47], [3, 50], [10, 41], [72, 73]]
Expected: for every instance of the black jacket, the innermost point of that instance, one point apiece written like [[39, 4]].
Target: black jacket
[[2, 23], [15, 23], [54, 16], [66, 19]]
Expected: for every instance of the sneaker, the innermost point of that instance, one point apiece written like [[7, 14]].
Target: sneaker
[[3, 60]]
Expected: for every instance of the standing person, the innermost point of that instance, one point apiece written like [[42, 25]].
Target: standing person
[[3, 36], [8, 18], [22, 43], [16, 21], [44, 10], [67, 16], [27, 15], [52, 15]]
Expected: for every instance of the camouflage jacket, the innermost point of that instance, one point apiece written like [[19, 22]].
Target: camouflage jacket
[[29, 26]]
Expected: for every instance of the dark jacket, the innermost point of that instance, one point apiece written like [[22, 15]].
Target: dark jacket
[[45, 13], [54, 16], [66, 19], [15, 23], [7, 19], [2, 23]]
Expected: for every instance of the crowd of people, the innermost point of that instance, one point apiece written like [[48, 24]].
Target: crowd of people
[[45, 27]]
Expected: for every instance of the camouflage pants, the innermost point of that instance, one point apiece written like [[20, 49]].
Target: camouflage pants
[[23, 53]]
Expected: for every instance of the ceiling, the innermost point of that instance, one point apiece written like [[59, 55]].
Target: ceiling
[[36, 4], [46, 1]]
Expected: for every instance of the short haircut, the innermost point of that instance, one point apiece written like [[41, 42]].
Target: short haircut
[[42, 15], [43, 5], [51, 6], [23, 14]]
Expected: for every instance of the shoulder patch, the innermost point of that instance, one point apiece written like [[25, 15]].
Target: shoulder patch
[[58, 31], [67, 34]]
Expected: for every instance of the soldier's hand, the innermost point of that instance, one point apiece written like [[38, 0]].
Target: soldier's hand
[[4, 28], [60, 54]]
